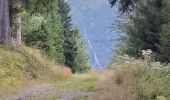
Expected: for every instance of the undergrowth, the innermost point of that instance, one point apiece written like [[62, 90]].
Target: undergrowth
[[142, 79]]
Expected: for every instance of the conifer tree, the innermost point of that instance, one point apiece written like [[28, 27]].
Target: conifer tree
[[81, 60], [49, 38], [164, 46], [149, 28], [55, 39], [143, 31], [69, 40]]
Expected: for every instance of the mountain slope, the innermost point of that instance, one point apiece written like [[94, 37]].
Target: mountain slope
[[95, 17]]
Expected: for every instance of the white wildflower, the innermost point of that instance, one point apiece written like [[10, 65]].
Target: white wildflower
[[158, 62], [126, 57], [149, 51]]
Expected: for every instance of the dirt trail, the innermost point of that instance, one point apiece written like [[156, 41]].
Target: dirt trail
[[46, 89], [57, 92], [33, 91], [71, 95]]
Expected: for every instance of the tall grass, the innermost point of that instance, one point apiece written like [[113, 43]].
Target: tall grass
[[142, 79], [22, 66]]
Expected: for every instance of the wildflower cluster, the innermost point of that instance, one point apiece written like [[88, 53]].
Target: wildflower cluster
[[147, 55], [147, 52]]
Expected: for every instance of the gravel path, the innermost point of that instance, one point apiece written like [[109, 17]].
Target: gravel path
[[46, 89], [71, 95]]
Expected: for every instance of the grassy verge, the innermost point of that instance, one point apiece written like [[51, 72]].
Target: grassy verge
[[23, 66], [83, 82]]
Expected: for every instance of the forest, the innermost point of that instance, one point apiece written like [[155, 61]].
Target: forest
[[43, 55]]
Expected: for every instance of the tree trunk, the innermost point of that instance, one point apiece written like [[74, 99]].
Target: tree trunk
[[1, 16], [6, 34], [19, 28], [18, 24]]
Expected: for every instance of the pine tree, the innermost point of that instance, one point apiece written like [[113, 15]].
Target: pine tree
[[64, 11], [69, 40], [164, 46], [124, 5], [81, 61], [49, 38], [129, 5], [143, 31], [55, 39]]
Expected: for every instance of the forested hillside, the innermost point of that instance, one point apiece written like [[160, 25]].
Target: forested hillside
[[45, 25], [38, 43]]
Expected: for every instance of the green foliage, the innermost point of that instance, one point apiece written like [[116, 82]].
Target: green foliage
[[74, 51], [49, 38], [32, 23], [47, 35], [70, 50], [146, 25], [164, 46], [64, 12], [124, 5], [148, 28], [53, 34], [69, 40], [39, 6], [55, 39]]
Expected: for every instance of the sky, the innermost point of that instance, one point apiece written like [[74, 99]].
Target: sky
[[95, 18]]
